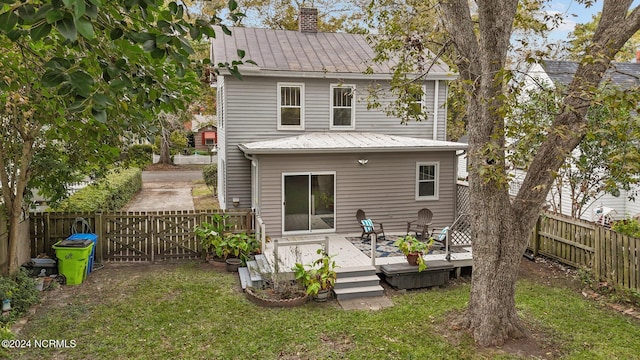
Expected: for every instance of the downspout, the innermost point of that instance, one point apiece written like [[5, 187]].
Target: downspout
[[436, 91], [258, 223]]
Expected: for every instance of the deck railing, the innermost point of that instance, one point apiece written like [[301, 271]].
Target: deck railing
[[277, 244]]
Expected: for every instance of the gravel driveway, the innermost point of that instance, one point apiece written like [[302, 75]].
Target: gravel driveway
[[165, 190]]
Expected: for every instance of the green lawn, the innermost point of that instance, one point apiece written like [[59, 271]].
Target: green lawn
[[193, 311]]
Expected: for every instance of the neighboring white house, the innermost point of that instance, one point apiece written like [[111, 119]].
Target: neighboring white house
[[551, 73], [298, 145]]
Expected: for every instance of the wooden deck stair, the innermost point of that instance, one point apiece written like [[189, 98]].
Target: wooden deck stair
[[251, 274], [357, 282]]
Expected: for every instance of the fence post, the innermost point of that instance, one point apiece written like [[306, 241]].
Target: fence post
[[597, 252], [47, 230], [536, 236], [101, 239]]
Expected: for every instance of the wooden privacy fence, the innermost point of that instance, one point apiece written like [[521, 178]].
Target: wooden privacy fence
[[612, 256], [133, 236]]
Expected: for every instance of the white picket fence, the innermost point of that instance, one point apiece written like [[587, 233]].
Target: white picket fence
[[190, 159]]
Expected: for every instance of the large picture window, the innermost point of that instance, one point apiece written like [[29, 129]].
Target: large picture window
[[290, 106], [343, 107], [427, 181]]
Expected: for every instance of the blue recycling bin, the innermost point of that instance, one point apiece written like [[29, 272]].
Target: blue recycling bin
[[83, 237]]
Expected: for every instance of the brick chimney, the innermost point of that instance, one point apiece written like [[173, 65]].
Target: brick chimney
[[308, 20]]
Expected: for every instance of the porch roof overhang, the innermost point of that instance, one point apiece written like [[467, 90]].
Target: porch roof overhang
[[346, 142]]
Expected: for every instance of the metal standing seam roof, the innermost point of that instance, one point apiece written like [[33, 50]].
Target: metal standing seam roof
[[625, 75], [295, 51], [347, 142]]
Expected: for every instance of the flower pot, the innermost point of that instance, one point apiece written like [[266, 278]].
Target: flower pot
[[217, 261], [412, 258], [322, 295], [233, 264]]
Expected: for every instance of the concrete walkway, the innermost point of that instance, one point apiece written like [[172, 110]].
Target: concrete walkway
[[165, 191]]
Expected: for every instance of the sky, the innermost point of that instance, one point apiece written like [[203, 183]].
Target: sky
[[573, 13]]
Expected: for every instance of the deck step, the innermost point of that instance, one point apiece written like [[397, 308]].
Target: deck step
[[358, 292], [245, 278], [356, 281], [263, 264], [255, 277], [356, 271]]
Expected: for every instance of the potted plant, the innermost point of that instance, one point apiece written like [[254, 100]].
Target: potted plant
[[318, 277], [413, 249], [213, 238], [239, 248]]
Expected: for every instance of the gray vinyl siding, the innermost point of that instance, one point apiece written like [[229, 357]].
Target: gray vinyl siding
[[251, 115], [384, 188]]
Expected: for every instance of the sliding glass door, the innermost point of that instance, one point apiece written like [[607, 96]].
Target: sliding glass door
[[308, 202]]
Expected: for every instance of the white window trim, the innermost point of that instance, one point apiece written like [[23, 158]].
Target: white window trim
[[291, 127], [436, 194], [423, 98], [353, 107]]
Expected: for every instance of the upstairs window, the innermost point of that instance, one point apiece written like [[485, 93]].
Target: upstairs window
[[417, 100], [343, 107], [427, 181], [290, 106]]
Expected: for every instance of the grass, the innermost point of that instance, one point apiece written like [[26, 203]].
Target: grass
[[190, 311], [203, 198]]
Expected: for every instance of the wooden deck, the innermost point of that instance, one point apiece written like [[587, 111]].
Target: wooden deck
[[346, 255]]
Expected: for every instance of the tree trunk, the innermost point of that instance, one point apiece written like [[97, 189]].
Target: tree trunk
[[500, 226], [165, 155]]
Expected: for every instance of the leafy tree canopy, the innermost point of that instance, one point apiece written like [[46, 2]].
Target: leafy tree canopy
[[333, 15], [80, 78], [580, 39]]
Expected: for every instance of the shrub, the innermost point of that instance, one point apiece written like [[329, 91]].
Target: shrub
[[630, 227], [210, 175], [109, 194], [139, 155], [20, 288]]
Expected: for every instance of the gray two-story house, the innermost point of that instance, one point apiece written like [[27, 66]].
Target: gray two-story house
[[298, 144]]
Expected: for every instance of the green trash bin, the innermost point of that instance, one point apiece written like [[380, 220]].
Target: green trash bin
[[73, 259]]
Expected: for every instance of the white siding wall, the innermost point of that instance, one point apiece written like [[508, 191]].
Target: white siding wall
[[251, 115], [384, 188], [562, 199]]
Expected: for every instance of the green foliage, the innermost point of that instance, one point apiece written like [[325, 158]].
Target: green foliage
[[319, 275], [212, 235], [410, 245], [139, 156], [630, 227], [333, 16], [210, 176], [177, 142], [108, 194], [606, 161], [243, 245], [580, 40], [82, 78], [20, 288], [216, 239]]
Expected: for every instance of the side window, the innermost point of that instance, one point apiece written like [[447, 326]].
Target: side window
[[290, 106], [343, 107], [427, 181]]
